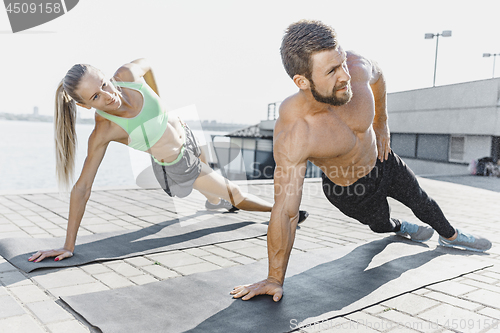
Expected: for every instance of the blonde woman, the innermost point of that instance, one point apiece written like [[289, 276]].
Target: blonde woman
[[129, 111]]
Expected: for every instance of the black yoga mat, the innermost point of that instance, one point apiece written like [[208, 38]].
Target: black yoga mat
[[165, 236], [318, 287]]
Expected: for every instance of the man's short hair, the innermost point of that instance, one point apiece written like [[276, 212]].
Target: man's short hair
[[300, 41]]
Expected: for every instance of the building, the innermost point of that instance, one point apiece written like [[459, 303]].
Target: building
[[437, 131], [255, 144], [440, 130]]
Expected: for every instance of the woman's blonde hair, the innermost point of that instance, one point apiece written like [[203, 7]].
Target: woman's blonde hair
[[64, 124]]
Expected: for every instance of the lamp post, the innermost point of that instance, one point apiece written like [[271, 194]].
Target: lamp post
[[445, 33], [494, 55]]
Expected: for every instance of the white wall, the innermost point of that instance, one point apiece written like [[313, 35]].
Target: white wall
[[426, 168], [476, 146], [464, 108]]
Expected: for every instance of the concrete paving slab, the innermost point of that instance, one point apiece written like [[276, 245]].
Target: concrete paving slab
[[219, 261], [83, 288], [138, 261], [455, 318], [452, 288], [29, 293], [484, 297], [72, 326], [401, 321], [5, 266], [197, 268], [124, 269], [113, 280], [62, 278], [49, 312], [469, 203], [13, 279], [20, 324], [254, 252], [159, 272], [175, 259], [142, 279], [455, 301], [9, 307], [410, 303]]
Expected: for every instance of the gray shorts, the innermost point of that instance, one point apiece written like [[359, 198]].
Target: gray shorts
[[177, 178]]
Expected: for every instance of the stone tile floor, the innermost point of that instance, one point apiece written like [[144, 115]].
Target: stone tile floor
[[29, 302]]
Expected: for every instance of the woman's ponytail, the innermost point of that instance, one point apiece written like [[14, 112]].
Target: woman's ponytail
[[64, 124], [65, 137]]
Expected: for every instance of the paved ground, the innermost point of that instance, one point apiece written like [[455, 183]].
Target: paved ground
[[487, 183], [29, 302]]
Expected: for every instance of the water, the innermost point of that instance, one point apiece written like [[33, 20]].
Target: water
[[27, 158]]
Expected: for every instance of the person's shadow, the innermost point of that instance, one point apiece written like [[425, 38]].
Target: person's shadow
[[159, 237], [327, 287]]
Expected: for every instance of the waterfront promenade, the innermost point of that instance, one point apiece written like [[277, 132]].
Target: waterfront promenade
[[29, 302]]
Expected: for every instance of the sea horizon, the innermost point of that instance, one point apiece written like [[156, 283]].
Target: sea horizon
[[27, 158]]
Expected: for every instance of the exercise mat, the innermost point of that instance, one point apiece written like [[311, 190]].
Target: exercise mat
[[165, 236], [319, 286]]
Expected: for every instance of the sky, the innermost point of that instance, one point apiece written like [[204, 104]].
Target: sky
[[223, 56]]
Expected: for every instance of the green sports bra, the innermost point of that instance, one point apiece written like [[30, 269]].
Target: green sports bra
[[145, 129]]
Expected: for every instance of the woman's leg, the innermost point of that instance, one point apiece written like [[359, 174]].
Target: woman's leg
[[211, 198], [211, 184]]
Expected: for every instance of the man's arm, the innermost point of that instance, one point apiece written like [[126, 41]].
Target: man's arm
[[288, 182], [380, 125]]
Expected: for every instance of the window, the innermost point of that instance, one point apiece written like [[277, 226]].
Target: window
[[433, 147], [457, 148], [403, 144]]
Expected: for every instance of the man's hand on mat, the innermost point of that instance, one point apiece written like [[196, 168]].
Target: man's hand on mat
[[60, 254], [264, 287]]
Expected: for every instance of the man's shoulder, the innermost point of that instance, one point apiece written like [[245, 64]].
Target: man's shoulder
[[291, 115], [290, 137], [289, 103], [291, 109], [289, 128], [359, 66], [356, 58]]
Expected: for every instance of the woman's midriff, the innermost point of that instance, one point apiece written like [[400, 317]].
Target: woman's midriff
[[168, 148]]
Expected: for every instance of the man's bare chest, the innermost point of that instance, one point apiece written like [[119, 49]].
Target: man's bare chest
[[336, 134]]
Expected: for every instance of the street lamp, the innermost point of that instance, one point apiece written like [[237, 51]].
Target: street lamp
[[494, 55], [445, 33]]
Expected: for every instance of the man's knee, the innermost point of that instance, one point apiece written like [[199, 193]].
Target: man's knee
[[381, 228], [389, 225]]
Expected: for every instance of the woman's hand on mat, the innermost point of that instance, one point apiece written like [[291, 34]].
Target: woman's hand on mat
[[264, 287], [383, 139], [60, 254]]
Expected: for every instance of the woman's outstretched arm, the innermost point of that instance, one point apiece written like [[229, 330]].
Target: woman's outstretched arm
[[80, 194], [135, 70]]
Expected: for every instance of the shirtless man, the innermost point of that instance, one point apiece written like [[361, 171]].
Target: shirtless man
[[338, 121]]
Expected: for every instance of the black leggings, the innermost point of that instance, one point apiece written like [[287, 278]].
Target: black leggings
[[366, 199]]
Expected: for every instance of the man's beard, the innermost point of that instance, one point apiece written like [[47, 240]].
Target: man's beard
[[332, 99]]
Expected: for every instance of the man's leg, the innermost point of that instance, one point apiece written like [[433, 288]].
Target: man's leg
[[363, 201], [366, 201], [405, 188]]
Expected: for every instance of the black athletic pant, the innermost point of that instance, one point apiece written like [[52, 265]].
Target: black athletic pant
[[366, 199]]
